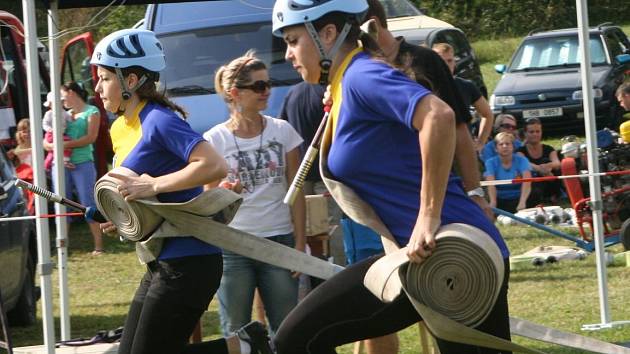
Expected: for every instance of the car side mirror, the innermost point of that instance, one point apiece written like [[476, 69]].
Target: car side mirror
[[623, 58], [500, 68]]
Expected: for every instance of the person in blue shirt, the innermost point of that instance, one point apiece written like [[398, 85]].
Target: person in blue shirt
[[172, 163], [508, 165], [502, 123], [393, 143]]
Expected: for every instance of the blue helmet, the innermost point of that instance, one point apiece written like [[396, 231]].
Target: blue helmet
[[295, 12], [130, 47]]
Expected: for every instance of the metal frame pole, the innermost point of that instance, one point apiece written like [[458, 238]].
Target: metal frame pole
[[61, 223], [44, 265]]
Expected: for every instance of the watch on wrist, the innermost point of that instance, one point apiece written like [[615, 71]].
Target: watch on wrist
[[479, 192]]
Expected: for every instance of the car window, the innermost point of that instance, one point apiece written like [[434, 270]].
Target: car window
[[549, 52], [77, 66], [457, 41], [613, 44], [399, 8], [6, 168], [194, 56]]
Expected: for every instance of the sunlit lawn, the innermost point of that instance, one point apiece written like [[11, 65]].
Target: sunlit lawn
[[563, 295]]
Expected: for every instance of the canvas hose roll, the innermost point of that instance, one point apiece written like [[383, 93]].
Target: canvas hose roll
[[148, 222], [454, 290]]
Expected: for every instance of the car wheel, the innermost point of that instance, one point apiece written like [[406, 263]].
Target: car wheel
[[624, 235], [25, 311]]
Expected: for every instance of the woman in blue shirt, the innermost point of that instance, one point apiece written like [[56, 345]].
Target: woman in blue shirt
[[172, 163], [393, 144], [507, 165]]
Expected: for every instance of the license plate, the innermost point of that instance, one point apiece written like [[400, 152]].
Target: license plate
[[543, 112]]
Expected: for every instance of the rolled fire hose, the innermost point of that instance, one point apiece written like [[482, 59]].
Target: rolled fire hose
[[148, 222], [459, 282]]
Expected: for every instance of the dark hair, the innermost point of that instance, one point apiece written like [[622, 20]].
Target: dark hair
[[376, 10], [77, 88], [531, 121], [339, 19], [623, 89], [148, 91]]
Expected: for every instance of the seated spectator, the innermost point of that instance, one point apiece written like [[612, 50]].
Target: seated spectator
[[544, 161], [503, 123], [507, 165]]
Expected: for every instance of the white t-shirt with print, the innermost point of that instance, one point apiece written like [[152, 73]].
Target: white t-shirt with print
[[261, 166]]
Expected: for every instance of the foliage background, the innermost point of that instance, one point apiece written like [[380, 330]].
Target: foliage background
[[499, 18]]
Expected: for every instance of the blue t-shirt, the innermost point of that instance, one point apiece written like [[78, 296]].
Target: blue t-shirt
[[490, 149], [519, 165], [157, 142], [376, 151]]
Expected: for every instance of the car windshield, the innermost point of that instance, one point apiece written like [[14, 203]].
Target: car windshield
[[555, 52], [399, 8], [194, 56]]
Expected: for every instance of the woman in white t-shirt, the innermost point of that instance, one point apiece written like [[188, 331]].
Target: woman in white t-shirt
[[262, 155]]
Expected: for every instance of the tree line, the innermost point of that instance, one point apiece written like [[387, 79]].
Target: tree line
[[481, 19]]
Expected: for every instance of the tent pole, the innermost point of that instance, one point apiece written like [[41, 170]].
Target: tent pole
[[593, 164], [61, 223], [44, 265]]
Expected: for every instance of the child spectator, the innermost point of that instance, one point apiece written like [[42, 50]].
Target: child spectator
[[507, 165], [503, 123], [48, 133]]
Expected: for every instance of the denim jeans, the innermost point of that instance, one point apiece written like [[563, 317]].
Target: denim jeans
[[241, 276], [82, 177]]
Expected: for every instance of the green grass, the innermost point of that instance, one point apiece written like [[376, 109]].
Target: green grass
[[562, 296]]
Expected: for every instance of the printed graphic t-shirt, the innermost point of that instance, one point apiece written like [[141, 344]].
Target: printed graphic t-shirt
[[375, 150], [260, 164], [157, 142]]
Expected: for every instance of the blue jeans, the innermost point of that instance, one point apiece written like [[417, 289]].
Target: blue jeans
[[241, 276], [82, 178]]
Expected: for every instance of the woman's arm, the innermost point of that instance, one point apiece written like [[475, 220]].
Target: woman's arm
[[525, 190], [298, 210], [492, 192], [435, 122], [91, 135], [204, 166], [554, 163], [467, 163], [487, 120]]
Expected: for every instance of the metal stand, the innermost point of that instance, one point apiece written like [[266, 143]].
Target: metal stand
[[6, 342]]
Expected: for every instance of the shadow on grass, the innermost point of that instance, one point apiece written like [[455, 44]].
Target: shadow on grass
[[537, 276], [88, 326]]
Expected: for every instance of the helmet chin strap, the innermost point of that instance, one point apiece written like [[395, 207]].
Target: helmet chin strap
[[126, 90], [326, 58]]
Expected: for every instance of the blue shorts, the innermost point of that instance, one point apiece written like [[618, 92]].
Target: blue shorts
[[359, 242]]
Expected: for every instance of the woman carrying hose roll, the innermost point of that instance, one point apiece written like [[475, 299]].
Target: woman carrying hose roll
[[172, 163], [393, 144]]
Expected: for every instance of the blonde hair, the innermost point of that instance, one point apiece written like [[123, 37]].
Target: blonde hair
[[443, 48], [504, 136], [23, 124], [236, 73]]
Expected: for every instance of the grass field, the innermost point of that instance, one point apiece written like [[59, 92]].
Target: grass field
[[562, 295]]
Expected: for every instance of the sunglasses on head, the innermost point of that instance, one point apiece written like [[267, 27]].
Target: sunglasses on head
[[259, 86], [507, 126]]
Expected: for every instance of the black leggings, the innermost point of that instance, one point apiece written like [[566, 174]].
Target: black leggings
[[172, 296], [342, 310]]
